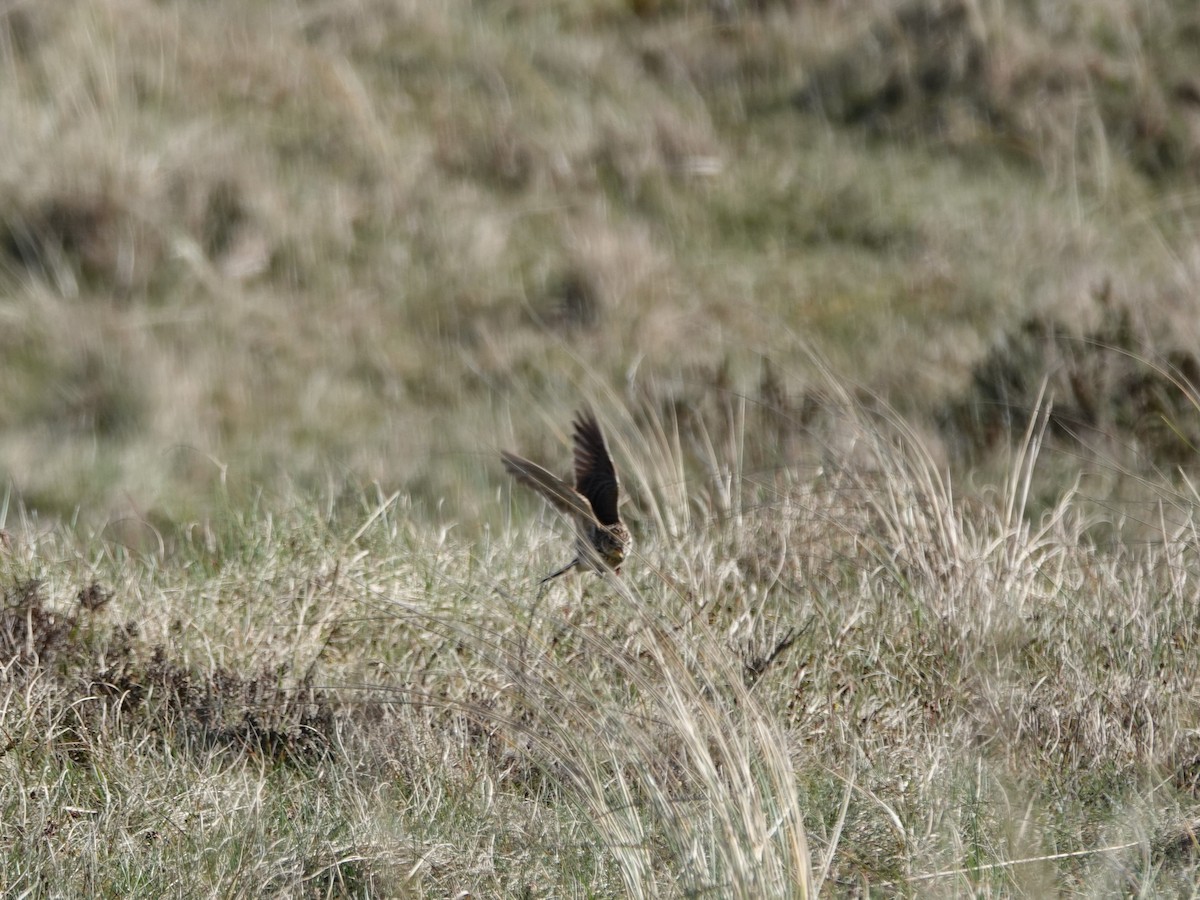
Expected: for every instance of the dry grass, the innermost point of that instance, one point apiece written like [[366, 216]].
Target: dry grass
[[927, 632], [244, 240], [825, 681]]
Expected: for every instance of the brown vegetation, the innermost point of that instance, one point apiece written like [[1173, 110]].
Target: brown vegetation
[[245, 241], [922, 625]]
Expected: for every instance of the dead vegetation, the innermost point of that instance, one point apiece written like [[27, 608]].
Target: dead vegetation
[[1049, 86], [105, 673], [1125, 395], [227, 259], [841, 667], [912, 633]]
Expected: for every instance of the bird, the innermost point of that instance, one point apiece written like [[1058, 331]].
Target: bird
[[602, 542]]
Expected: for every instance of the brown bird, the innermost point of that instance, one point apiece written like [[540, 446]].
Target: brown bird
[[602, 541]]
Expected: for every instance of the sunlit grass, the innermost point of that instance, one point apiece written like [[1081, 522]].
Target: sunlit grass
[[289, 241], [886, 310], [805, 680]]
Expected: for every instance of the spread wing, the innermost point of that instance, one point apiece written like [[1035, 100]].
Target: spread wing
[[549, 485], [595, 476]]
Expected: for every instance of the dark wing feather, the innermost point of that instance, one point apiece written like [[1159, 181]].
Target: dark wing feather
[[595, 477], [547, 484]]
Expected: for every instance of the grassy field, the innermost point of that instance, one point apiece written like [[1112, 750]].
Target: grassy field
[[888, 309]]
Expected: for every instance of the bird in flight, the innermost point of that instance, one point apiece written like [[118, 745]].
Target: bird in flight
[[602, 541]]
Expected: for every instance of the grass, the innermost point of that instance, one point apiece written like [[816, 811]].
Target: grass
[[841, 681], [251, 245], [887, 309]]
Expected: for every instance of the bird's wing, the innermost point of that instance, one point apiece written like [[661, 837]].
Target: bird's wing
[[595, 476], [549, 485]]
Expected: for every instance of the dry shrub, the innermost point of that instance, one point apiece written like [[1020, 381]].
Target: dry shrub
[[1115, 388], [31, 636], [88, 242], [944, 70], [101, 673]]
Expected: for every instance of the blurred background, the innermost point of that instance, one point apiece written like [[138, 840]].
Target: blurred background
[[275, 246]]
